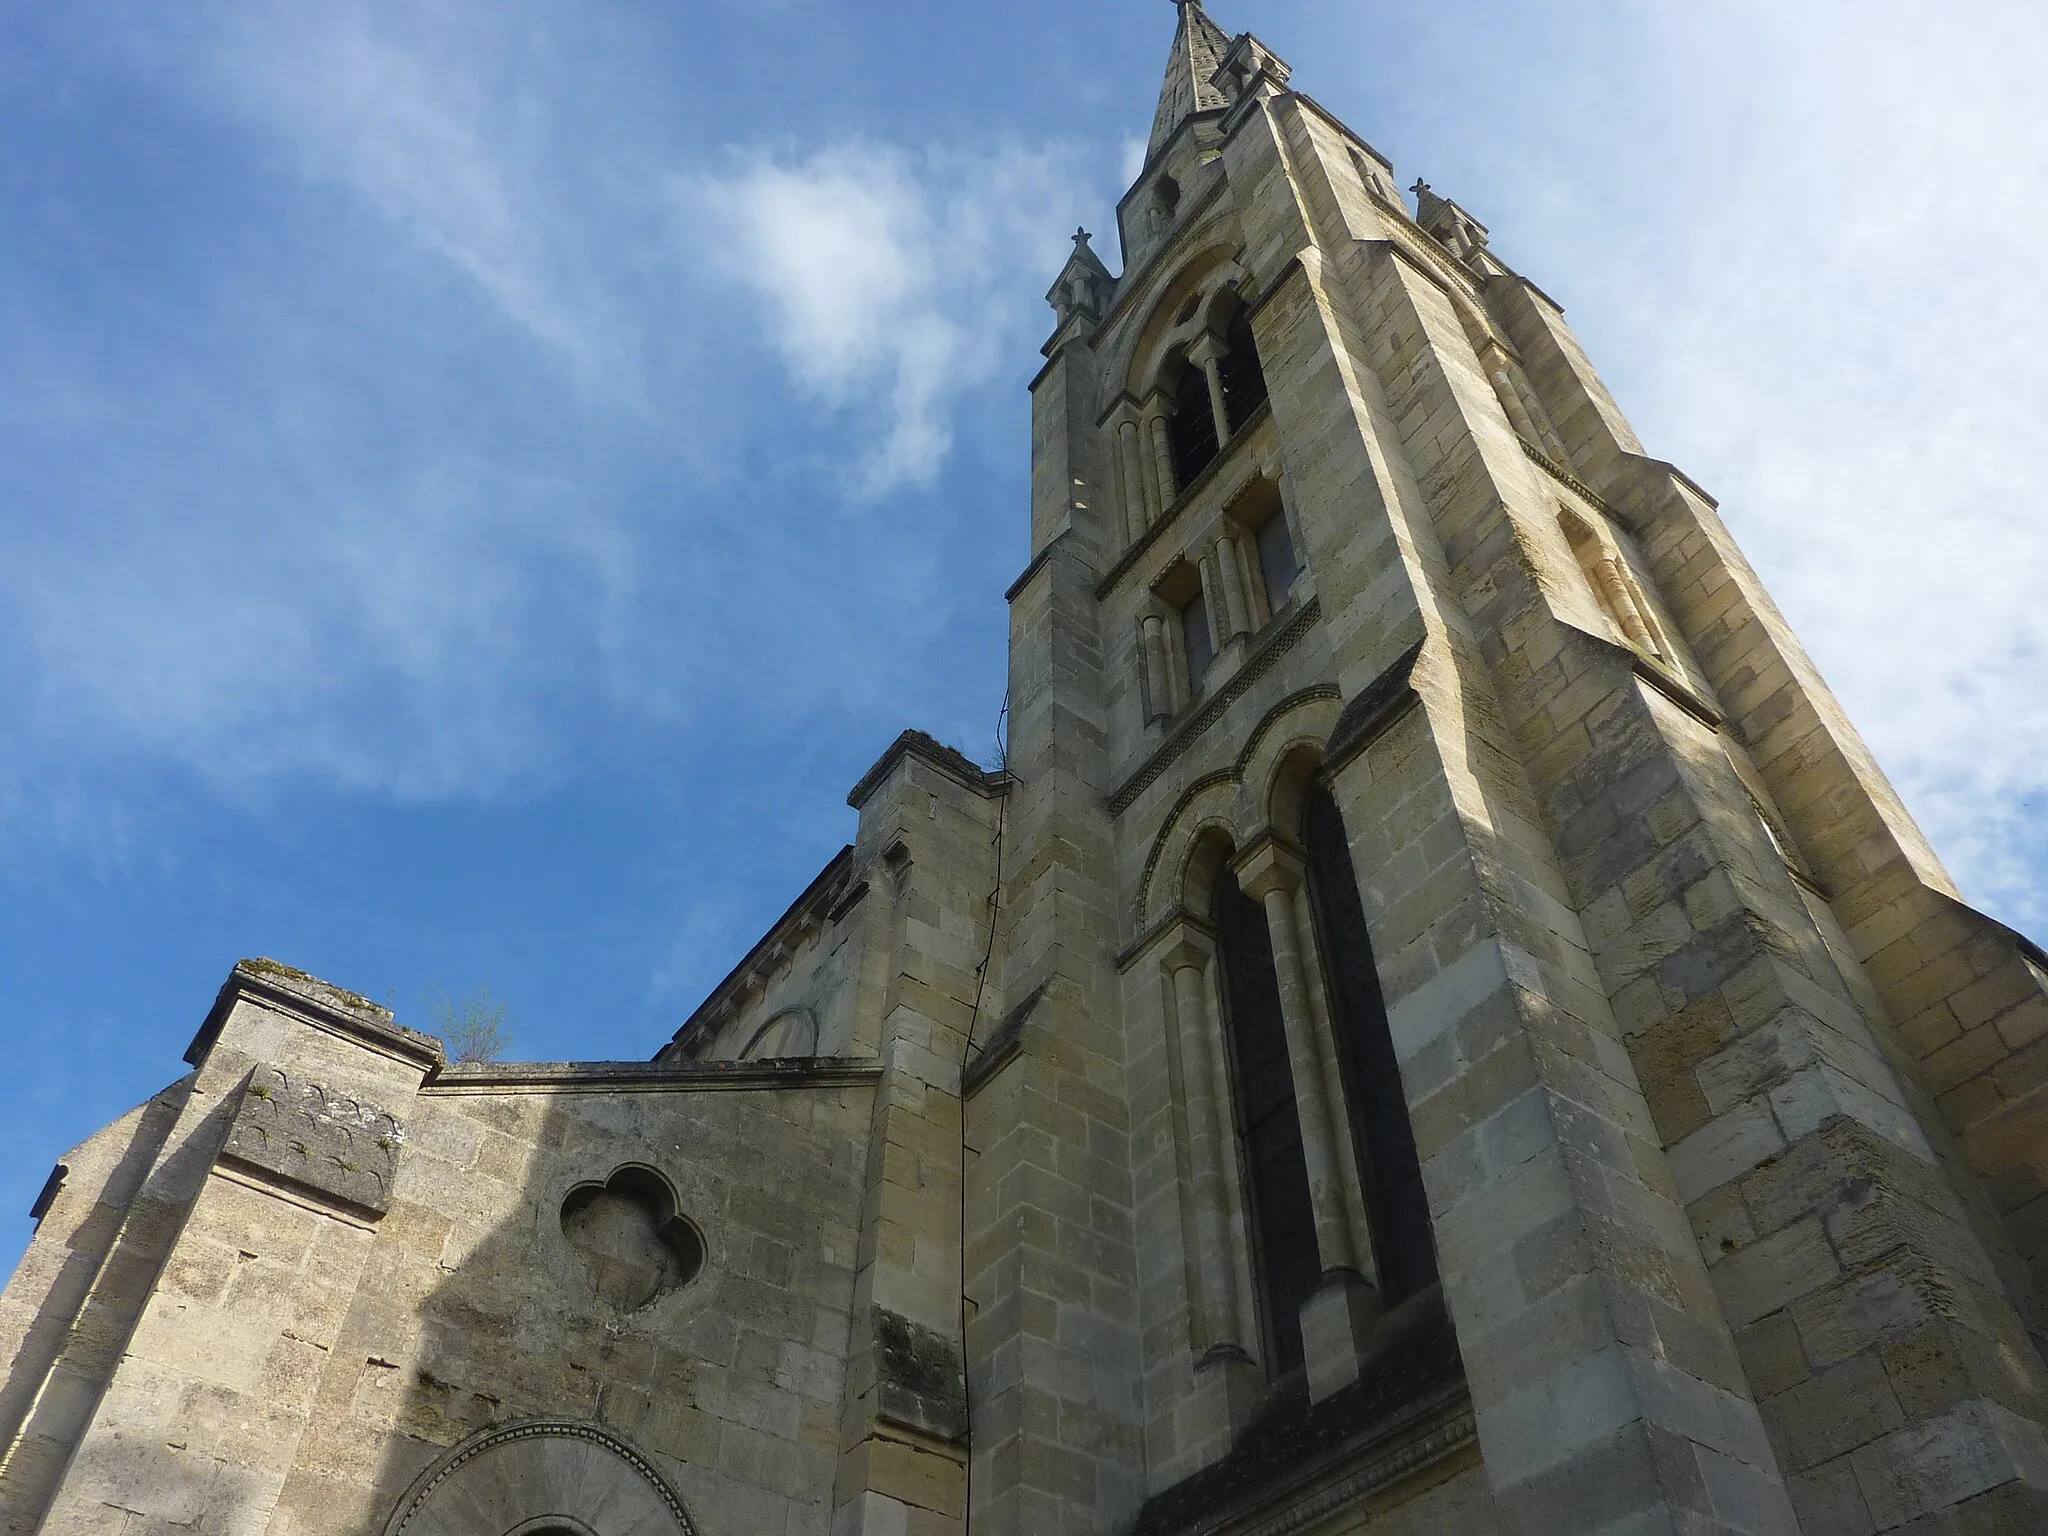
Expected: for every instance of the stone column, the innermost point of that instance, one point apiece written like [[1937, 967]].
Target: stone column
[[1207, 354], [1336, 1322], [1229, 564], [1323, 1019], [1211, 607], [1496, 364], [1621, 602], [1162, 455], [1138, 505], [1187, 970], [1269, 874], [1158, 675]]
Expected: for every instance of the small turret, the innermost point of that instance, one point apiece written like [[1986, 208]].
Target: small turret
[[1083, 287]]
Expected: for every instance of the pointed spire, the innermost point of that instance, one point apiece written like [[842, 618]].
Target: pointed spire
[[1198, 47]]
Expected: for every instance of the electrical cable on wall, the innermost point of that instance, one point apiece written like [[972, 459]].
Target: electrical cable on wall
[[995, 897]]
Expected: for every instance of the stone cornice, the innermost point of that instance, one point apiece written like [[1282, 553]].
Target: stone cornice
[[284, 989], [950, 761], [1573, 483], [821, 903], [611, 1077]]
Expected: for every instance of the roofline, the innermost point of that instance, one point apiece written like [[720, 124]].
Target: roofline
[[830, 881]]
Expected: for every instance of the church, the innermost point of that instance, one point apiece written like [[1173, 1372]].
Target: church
[[1438, 1027]]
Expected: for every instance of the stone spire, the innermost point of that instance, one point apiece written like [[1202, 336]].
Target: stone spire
[[1198, 47]]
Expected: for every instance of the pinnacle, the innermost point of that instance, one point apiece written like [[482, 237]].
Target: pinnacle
[[1198, 48]]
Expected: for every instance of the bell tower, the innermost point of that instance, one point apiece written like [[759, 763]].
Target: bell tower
[[1475, 1032]]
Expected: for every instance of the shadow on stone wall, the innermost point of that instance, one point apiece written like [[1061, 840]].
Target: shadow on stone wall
[[593, 1288]]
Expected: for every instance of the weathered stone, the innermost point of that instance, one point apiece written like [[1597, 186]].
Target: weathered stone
[[1376, 1055], [318, 1139]]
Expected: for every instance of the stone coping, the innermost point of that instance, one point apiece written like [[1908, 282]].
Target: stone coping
[[654, 1076], [321, 1004]]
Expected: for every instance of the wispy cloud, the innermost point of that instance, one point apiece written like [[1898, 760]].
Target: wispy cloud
[[424, 120], [414, 498], [890, 281], [1793, 237]]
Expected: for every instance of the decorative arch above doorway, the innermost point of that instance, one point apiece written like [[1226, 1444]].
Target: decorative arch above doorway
[[541, 1478]]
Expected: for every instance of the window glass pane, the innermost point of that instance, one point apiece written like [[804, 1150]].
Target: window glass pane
[[1194, 628], [1277, 561]]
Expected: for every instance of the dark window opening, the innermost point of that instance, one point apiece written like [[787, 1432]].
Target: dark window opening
[[1380, 1130], [1195, 636], [1191, 429], [1244, 382], [1278, 563], [1283, 1226]]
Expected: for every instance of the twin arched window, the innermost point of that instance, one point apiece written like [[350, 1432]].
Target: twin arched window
[[1286, 1261], [1195, 431]]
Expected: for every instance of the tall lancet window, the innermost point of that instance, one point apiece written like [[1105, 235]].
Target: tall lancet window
[[1381, 1133], [1191, 429], [1283, 1223], [1244, 382]]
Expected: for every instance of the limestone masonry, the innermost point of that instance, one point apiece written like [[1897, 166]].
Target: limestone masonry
[[1439, 1026]]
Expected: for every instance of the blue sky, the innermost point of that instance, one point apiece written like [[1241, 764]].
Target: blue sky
[[480, 479]]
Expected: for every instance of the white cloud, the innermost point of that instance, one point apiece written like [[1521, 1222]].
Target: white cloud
[[1797, 240], [1864, 380], [423, 119], [891, 281]]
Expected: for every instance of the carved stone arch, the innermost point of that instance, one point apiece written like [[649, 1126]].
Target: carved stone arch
[[1213, 845], [1301, 721], [792, 1032], [541, 1475], [1289, 784], [1190, 311], [1143, 343], [1206, 801], [1478, 326]]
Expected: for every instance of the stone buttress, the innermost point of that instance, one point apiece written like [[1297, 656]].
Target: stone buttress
[[1438, 1025]]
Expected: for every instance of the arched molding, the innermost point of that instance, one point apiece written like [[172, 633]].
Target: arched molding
[[1133, 362], [1209, 301], [1302, 719], [1289, 782], [539, 1475], [791, 1033], [1305, 728], [1214, 843], [1207, 803]]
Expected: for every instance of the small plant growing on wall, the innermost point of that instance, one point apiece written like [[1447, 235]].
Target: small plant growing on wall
[[473, 1027]]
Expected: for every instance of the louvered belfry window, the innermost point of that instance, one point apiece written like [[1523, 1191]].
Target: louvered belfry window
[[1191, 429]]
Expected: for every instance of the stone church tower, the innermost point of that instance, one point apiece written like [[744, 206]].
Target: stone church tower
[[1438, 1026]]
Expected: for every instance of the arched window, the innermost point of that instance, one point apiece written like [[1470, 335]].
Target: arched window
[[1244, 382], [1191, 429], [1380, 1130], [1283, 1227]]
